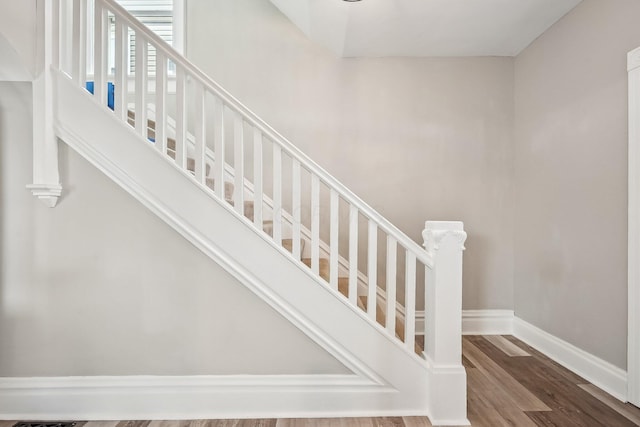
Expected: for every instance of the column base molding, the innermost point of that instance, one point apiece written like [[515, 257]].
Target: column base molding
[[46, 193]]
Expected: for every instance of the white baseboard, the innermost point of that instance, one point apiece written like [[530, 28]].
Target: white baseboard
[[194, 397], [608, 377], [478, 322], [487, 322], [602, 374]]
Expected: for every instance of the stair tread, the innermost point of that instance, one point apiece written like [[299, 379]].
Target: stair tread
[[323, 261], [288, 244], [380, 315], [323, 267]]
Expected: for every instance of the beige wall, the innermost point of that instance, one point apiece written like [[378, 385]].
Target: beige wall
[[18, 40], [571, 177], [101, 286], [417, 139]]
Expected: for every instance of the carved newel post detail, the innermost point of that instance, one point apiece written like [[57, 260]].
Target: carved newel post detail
[[444, 240], [46, 181]]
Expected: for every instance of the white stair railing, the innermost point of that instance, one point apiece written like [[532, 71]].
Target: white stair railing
[[275, 167]]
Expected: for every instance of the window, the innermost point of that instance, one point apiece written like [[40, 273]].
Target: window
[[163, 17]]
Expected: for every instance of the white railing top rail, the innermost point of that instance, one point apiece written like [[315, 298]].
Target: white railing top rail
[[231, 102]]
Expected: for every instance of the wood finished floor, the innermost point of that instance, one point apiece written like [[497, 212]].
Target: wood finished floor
[[509, 384]]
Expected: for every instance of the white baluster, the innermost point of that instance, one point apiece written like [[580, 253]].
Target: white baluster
[[238, 162], [181, 118], [218, 146], [333, 239], [55, 29], [200, 123], [296, 207], [391, 285], [315, 224], [161, 102], [372, 267], [141, 69], [257, 178], [353, 254], [120, 78], [277, 194], [99, 55], [410, 301], [78, 48]]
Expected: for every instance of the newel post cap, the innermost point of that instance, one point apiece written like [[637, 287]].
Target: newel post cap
[[435, 232]]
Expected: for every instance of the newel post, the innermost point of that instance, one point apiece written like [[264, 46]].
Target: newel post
[[444, 240], [46, 181]]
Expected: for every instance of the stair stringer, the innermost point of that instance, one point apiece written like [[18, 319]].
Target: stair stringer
[[392, 380]]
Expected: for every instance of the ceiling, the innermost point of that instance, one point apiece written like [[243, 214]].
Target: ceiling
[[375, 28]]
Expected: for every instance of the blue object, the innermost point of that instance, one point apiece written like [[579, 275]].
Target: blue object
[[110, 98], [110, 93]]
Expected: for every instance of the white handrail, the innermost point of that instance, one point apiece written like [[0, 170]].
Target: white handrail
[[231, 102]]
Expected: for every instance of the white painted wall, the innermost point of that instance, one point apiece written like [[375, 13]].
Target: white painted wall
[[17, 40], [571, 177], [416, 138], [101, 286]]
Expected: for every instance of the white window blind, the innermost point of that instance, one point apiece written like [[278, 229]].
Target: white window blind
[[158, 16]]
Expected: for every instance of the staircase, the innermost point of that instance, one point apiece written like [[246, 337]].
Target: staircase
[[287, 243], [262, 209]]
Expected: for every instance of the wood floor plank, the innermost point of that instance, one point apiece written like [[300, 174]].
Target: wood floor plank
[[570, 401], [7, 423], [416, 422], [101, 424], [132, 423], [271, 422], [489, 399], [388, 422], [227, 423], [325, 422], [466, 362], [482, 415], [628, 411], [570, 376], [170, 423], [549, 385], [523, 398], [552, 419], [509, 348]]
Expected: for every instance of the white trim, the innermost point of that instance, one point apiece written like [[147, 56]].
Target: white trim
[[478, 322], [602, 374], [487, 322], [599, 372], [633, 59], [189, 397], [46, 177], [179, 26], [46, 193], [633, 329], [419, 321]]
